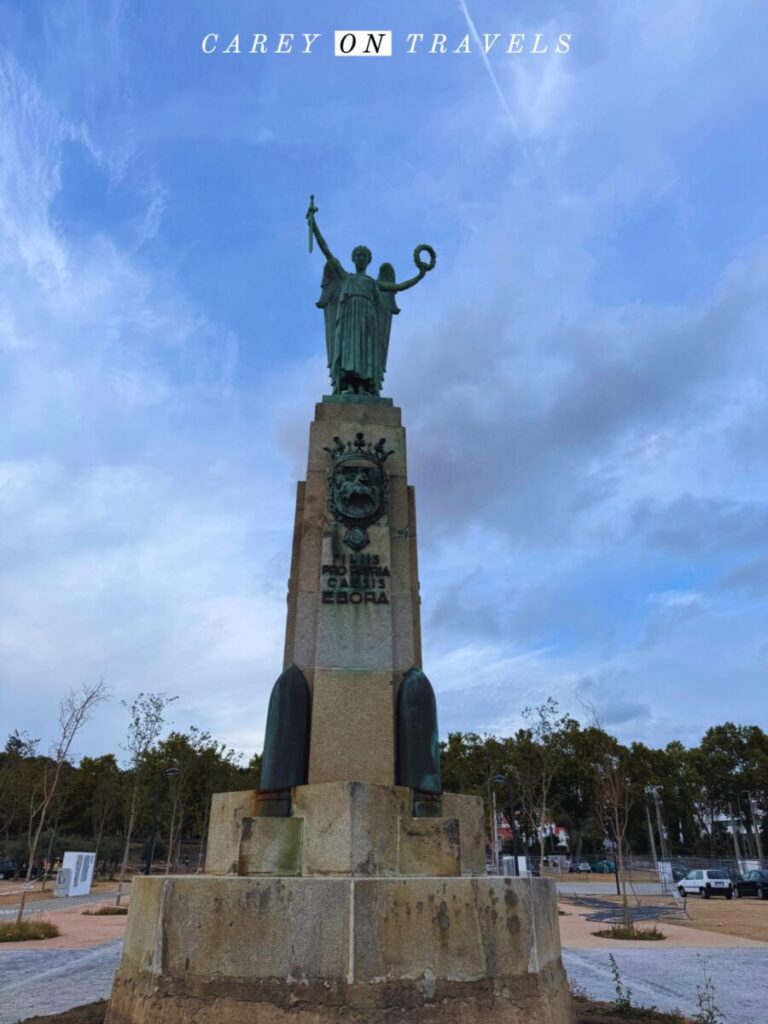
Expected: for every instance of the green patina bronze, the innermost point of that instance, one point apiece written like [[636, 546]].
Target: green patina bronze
[[358, 313], [418, 744], [285, 761]]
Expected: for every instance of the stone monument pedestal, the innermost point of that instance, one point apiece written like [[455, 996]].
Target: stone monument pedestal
[[350, 910], [318, 950]]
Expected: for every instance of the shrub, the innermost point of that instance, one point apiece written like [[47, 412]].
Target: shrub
[[629, 931], [12, 932], [709, 1011], [623, 1002]]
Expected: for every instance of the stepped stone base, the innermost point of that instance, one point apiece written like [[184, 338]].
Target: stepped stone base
[[229, 950], [346, 828]]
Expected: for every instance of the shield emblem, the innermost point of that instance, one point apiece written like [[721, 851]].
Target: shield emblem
[[357, 491]]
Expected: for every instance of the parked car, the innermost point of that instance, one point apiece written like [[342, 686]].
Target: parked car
[[8, 869], [754, 883], [604, 867], [706, 882], [579, 866], [679, 871]]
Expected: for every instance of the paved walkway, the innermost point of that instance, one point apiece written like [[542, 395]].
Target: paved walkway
[[668, 978], [62, 903]]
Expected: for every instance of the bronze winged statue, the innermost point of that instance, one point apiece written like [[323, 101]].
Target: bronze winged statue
[[358, 313]]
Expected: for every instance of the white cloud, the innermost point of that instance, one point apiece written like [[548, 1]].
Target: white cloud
[[130, 542]]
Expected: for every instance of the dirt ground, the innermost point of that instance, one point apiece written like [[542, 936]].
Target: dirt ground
[[93, 1013], [586, 1012], [740, 918], [746, 918], [594, 876]]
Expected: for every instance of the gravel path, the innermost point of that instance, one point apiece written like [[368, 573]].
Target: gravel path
[[49, 981], [36, 982], [668, 979], [583, 888]]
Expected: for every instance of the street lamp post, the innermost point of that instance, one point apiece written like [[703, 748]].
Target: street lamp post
[[495, 834], [505, 778], [755, 828], [742, 817], [665, 878], [734, 832], [654, 858], [167, 774]]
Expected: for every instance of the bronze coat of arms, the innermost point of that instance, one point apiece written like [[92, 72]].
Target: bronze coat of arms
[[358, 487]]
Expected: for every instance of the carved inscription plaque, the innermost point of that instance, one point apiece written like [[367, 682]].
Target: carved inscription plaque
[[355, 580]]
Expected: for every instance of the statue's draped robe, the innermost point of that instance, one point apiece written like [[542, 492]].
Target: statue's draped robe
[[356, 334], [358, 317]]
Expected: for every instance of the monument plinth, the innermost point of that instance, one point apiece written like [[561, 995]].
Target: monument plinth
[[349, 887], [353, 611]]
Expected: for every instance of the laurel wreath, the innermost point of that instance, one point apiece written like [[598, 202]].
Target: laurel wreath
[[422, 264]]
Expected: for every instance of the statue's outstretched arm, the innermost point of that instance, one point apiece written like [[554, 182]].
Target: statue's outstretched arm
[[322, 242], [401, 286], [318, 235]]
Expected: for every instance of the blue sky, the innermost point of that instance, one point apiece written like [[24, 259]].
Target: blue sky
[[583, 377]]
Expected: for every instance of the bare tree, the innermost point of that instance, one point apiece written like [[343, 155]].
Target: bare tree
[[74, 711], [615, 794], [147, 722]]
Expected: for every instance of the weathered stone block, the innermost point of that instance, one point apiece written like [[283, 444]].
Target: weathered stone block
[[227, 812], [350, 828], [459, 930], [404, 633], [354, 630], [300, 642], [429, 846], [345, 420], [341, 951], [471, 817], [271, 846], [352, 727]]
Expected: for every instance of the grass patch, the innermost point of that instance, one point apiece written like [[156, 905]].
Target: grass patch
[[27, 930], [109, 911], [629, 931]]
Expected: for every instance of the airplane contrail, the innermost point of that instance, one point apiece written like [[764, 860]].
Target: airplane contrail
[[494, 80]]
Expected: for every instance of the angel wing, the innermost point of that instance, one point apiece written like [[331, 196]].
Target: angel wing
[[387, 307], [330, 286]]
